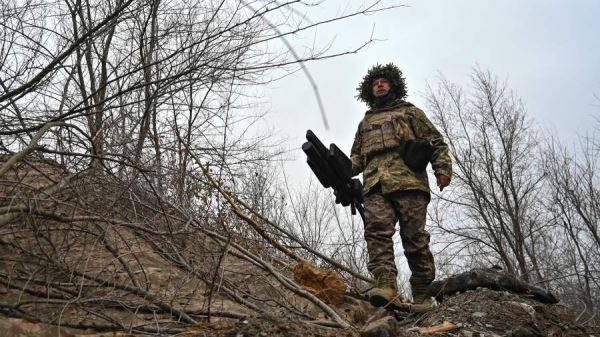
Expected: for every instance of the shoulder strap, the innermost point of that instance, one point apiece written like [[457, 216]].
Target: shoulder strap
[[410, 123]]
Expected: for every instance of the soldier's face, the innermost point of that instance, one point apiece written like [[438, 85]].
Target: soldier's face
[[381, 87]]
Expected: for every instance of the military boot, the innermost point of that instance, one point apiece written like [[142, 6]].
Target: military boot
[[421, 302], [385, 293]]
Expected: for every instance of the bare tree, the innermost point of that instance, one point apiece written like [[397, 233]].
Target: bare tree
[[573, 200], [125, 158], [494, 209]]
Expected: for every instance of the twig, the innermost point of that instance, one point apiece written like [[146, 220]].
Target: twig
[[304, 245], [141, 293], [28, 149], [216, 273], [285, 281], [241, 214]]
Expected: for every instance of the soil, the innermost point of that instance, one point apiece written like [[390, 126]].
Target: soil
[[485, 312], [255, 327], [472, 313], [481, 312]]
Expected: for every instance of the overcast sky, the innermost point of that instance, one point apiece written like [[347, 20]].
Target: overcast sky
[[548, 50]]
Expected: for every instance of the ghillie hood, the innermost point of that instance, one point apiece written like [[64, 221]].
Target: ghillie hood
[[389, 72]]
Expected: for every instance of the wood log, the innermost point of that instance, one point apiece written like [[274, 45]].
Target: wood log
[[488, 278]]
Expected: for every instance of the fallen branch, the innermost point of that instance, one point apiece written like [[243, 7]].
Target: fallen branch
[[241, 214], [182, 264], [27, 150], [283, 280], [176, 313], [233, 201], [304, 245], [7, 217], [488, 278]]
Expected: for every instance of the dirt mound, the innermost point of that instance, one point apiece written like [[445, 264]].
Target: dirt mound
[[96, 255], [101, 257], [483, 312], [488, 312]]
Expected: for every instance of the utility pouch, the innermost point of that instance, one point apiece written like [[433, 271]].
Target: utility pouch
[[372, 140], [389, 135], [418, 153], [380, 137]]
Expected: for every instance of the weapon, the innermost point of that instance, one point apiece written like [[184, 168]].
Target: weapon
[[334, 169]]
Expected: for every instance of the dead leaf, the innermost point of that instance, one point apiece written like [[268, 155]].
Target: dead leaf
[[446, 326], [323, 283]]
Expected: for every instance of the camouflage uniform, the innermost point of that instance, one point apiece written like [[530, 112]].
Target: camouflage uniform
[[392, 191]]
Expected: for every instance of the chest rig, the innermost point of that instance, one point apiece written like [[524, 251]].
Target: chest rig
[[384, 131]]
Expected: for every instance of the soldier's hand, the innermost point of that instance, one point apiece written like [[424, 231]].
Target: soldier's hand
[[442, 181]]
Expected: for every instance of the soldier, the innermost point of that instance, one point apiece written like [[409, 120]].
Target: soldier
[[392, 191]]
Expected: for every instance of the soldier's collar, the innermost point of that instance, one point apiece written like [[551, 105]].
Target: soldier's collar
[[396, 104]]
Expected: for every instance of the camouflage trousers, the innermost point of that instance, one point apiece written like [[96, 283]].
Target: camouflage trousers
[[382, 211]]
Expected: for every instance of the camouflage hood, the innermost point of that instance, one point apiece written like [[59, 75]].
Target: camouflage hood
[[389, 72]]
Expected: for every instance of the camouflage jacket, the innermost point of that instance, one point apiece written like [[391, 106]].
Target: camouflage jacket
[[387, 167]]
